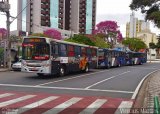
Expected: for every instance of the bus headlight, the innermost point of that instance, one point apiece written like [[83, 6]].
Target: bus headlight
[[45, 65]]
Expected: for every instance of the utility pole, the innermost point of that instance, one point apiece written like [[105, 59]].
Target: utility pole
[[5, 7]]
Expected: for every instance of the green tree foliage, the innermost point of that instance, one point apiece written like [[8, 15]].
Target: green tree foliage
[[39, 34], [81, 39], [152, 45], [134, 44], [150, 8], [99, 42]]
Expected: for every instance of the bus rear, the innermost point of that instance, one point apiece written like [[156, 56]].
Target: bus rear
[[36, 55]]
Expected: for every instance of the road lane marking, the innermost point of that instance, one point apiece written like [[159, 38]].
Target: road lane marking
[[5, 95], [94, 106], [70, 78], [65, 88], [106, 80], [144, 68], [6, 103], [63, 106], [36, 104], [124, 107], [140, 84]]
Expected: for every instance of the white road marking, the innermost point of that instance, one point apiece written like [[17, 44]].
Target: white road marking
[[36, 104], [124, 107], [63, 106], [106, 80], [5, 95], [140, 84], [94, 106], [143, 68], [6, 103], [65, 88], [71, 78]]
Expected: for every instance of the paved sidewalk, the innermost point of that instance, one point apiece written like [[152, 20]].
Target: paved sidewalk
[[149, 89], [3, 69]]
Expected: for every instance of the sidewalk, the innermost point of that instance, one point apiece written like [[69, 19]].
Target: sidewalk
[[149, 89], [3, 69], [153, 61]]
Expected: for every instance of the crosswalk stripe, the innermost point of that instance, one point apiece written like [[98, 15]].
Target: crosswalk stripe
[[6, 103], [94, 106], [36, 104], [124, 107], [63, 106], [5, 95]]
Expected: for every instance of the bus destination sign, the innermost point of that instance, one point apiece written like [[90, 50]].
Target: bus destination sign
[[36, 40]]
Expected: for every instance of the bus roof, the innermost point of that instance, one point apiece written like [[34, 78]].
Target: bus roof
[[61, 41]]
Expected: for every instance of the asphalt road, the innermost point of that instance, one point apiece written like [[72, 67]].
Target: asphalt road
[[115, 82]]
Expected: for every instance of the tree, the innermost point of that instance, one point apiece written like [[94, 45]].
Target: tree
[[81, 39], [3, 31], [152, 45], [99, 42], [110, 31], [134, 44], [52, 33], [150, 8]]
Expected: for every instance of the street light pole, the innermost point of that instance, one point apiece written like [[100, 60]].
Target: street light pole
[[4, 7]]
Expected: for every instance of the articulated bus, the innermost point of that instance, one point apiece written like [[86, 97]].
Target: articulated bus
[[139, 58], [111, 58], [46, 56]]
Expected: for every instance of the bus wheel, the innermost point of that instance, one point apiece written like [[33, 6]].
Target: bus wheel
[[62, 71], [86, 68]]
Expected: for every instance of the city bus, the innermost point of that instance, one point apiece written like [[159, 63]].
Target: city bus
[[46, 56], [111, 58], [104, 58], [139, 58]]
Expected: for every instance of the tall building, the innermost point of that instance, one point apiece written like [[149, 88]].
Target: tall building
[[71, 15], [135, 26]]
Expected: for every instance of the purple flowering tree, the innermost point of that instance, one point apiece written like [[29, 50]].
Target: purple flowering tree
[[110, 29], [3, 31], [52, 33]]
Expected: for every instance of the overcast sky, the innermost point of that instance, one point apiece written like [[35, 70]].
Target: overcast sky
[[116, 10]]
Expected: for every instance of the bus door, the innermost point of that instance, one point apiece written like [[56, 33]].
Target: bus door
[[109, 57], [55, 59]]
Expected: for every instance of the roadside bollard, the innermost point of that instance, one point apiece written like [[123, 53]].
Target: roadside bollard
[[156, 105]]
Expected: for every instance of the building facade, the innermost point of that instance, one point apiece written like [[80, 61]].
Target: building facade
[[78, 16], [135, 26]]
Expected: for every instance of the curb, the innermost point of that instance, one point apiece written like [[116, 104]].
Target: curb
[[4, 70], [139, 93]]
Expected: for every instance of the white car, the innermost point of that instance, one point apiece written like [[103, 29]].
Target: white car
[[17, 66]]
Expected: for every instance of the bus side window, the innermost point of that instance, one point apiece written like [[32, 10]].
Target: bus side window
[[94, 52], [89, 53], [83, 50], [71, 52], [63, 50], [55, 49], [77, 51]]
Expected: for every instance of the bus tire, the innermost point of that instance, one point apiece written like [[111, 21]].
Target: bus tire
[[62, 71]]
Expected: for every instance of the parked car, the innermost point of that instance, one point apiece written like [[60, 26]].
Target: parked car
[[17, 66]]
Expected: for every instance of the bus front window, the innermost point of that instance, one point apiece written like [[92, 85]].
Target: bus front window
[[35, 51]]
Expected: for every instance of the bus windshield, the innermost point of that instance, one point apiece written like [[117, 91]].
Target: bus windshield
[[35, 51]]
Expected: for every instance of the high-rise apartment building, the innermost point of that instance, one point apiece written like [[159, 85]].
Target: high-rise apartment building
[[135, 26], [72, 15]]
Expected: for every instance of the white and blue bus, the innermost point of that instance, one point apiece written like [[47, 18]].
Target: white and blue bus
[[46, 56]]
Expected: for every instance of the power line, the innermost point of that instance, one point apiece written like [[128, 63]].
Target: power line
[[22, 10]]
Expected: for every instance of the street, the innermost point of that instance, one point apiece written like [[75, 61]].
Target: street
[[115, 84]]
